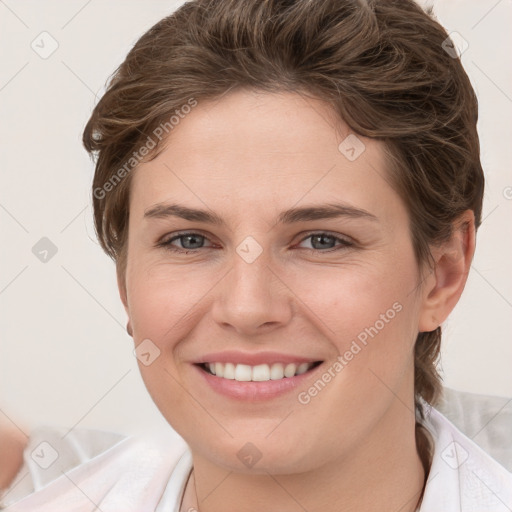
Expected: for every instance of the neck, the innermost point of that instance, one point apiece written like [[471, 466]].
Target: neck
[[385, 469]]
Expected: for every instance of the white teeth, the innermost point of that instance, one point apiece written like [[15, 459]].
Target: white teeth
[[261, 372], [219, 369], [242, 372], [277, 371], [229, 371], [258, 373], [303, 368], [289, 370]]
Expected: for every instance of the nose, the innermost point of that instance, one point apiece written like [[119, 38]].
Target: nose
[[252, 298]]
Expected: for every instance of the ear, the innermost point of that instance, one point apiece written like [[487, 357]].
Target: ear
[[121, 286], [443, 287]]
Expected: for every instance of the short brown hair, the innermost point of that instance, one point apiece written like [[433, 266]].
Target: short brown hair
[[380, 65]]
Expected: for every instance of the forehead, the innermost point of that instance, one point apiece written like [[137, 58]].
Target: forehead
[[249, 147]]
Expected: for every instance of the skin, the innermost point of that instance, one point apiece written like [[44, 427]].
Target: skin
[[247, 157], [12, 443]]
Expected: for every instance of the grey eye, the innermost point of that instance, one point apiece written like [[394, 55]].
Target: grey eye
[[191, 241], [321, 241]]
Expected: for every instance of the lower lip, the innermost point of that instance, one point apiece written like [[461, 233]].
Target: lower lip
[[251, 391]]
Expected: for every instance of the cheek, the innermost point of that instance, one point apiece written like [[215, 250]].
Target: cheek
[[368, 314], [164, 304], [354, 299], [162, 297], [370, 319]]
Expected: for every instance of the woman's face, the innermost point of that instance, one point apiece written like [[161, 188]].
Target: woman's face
[[262, 285]]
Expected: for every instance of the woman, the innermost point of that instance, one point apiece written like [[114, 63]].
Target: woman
[[291, 193]]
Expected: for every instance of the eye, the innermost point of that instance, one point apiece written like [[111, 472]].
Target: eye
[[190, 242], [322, 242]]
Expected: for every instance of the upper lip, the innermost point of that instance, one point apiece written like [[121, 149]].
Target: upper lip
[[254, 358]]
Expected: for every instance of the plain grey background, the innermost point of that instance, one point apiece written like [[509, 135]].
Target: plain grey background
[[65, 358]]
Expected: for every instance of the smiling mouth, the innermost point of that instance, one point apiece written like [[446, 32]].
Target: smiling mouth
[[257, 373]]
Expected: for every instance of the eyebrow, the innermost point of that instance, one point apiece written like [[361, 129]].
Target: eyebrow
[[309, 213]]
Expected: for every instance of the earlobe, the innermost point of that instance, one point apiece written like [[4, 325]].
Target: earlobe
[[448, 279]]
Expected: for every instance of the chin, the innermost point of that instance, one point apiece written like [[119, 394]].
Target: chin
[[258, 456]]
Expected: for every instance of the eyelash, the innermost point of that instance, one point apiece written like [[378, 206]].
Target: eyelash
[[166, 244]]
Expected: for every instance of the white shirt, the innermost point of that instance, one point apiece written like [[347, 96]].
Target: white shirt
[[138, 475]]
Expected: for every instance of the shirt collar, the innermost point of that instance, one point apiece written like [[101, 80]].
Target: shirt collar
[[462, 476]]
